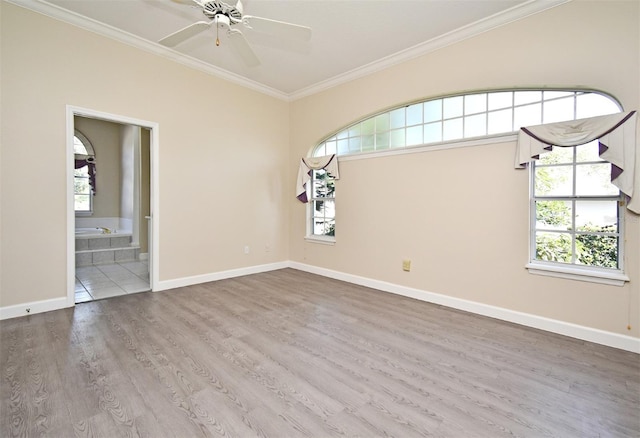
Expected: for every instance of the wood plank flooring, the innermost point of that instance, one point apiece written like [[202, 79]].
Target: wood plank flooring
[[290, 354]]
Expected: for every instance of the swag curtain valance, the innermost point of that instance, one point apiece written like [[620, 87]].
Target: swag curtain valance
[[89, 161], [307, 165], [616, 135]]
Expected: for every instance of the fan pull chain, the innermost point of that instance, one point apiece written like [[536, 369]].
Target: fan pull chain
[[217, 30]]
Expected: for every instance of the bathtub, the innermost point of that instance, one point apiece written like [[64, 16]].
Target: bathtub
[[87, 233]]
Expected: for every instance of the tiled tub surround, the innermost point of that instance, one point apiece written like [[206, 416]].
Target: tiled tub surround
[[98, 249]]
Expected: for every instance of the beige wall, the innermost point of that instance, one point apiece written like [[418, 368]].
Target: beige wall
[[105, 139], [223, 154], [461, 215]]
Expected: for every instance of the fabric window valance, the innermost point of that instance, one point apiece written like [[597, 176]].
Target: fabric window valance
[[616, 135], [89, 161], [307, 165]]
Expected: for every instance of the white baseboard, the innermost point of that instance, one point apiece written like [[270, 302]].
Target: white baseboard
[[602, 337], [215, 276], [33, 308]]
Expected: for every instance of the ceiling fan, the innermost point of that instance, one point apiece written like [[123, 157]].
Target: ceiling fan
[[226, 17]]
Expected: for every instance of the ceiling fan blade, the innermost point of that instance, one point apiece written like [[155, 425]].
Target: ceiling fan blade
[[184, 34], [242, 47], [276, 27]]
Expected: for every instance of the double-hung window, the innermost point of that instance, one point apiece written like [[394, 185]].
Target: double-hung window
[[322, 206], [576, 212]]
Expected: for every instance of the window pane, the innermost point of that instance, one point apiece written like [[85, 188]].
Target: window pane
[[355, 130], [342, 134], [83, 171], [367, 143], [597, 216], [433, 132], [523, 97], [397, 138], [500, 121], [558, 155], [588, 152], [78, 146], [597, 250], [554, 181], [81, 186], [475, 126], [527, 115], [414, 136], [397, 118], [320, 151], [594, 180], [368, 126], [343, 147], [330, 147], [414, 114], [558, 110], [554, 247], [452, 107], [433, 110], [594, 104], [382, 141], [452, 129], [475, 103], [382, 122], [553, 215], [548, 95], [354, 144], [500, 100], [82, 202], [324, 227]]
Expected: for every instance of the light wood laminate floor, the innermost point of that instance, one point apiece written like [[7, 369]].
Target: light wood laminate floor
[[290, 354]]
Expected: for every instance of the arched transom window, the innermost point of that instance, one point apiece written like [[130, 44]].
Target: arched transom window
[[465, 116]]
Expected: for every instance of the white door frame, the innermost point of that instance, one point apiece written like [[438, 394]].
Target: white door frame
[[154, 223]]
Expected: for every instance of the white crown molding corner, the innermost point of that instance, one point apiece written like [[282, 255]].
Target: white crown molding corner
[[515, 13], [58, 13], [589, 334]]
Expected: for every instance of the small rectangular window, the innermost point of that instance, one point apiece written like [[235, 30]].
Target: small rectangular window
[[321, 194]]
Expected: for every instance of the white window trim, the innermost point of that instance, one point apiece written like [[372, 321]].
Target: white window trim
[[580, 273]]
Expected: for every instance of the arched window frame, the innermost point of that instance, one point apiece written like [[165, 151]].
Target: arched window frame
[[373, 135], [526, 107], [84, 175]]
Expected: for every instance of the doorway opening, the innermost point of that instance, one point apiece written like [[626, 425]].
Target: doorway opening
[[111, 206]]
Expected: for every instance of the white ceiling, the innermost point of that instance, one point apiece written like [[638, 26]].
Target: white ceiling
[[350, 38]]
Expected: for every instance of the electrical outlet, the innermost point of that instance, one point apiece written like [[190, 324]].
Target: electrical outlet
[[246, 249], [406, 265]]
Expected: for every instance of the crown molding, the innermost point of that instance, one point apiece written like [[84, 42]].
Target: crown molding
[[58, 13], [515, 13]]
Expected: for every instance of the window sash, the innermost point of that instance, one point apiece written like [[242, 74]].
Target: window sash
[[572, 230]]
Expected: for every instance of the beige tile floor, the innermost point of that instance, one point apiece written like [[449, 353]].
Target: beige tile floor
[[104, 281]]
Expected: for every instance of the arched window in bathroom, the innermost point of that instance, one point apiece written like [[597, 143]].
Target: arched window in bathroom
[[84, 180]]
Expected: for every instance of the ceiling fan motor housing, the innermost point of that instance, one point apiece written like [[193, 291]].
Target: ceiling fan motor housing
[[215, 8]]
